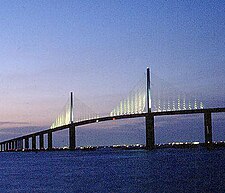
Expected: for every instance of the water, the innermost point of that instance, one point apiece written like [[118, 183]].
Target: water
[[106, 170]]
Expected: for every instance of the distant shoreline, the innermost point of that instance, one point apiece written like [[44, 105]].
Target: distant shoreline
[[132, 147]]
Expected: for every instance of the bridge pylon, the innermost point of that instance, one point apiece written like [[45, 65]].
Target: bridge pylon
[[149, 118], [72, 132]]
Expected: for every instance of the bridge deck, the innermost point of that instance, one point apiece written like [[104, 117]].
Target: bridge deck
[[110, 118]]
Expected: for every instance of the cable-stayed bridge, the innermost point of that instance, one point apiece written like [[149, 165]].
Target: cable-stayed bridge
[[162, 98], [149, 98]]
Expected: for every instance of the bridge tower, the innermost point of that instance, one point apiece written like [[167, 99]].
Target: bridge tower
[[149, 118], [72, 137]]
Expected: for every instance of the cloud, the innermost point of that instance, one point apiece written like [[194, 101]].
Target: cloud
[[12, 123], [12, 132]]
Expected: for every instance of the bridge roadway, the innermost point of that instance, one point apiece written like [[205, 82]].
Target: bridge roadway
[[12, 144]]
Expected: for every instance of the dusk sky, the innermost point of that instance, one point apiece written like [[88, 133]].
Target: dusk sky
[[100, 49]]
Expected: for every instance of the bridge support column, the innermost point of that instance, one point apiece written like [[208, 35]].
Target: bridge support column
[[41, 141], [34, 142], [13, 145], [72, 137], [150, 134], [10, 145], [6, 146], [16, 144], [208, 127], [26, 143], [50, 140], [20, 144], [3, 146]]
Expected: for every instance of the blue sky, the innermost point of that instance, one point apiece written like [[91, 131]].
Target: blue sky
[[101, 48]]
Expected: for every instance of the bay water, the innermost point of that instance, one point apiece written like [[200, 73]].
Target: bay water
[[114, 170]]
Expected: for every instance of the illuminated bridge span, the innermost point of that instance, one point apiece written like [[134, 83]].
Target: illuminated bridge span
[[147, 99]]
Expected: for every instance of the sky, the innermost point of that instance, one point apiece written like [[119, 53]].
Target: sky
[[100, 49]]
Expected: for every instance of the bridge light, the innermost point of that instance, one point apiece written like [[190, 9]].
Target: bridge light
[[144, 102], [136, 103], [132, 105], [164, 107], [125, 106], [168, 106], [174, 108], [201, 105], [159, 105], [178, 103], [195, 105], [118, 110], [189, 105], [184, 103], [121, 107]]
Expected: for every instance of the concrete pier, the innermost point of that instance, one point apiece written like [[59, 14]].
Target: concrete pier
[[15, 142], [34, 142], [26, 143], [72, 137], [13, 145], [5, 147], [150, 134], [10, 145], [41, 141], [20, 144], [208, 127], [50, 140]]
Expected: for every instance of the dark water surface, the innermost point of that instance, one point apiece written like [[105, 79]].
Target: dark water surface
[[106, 170]]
